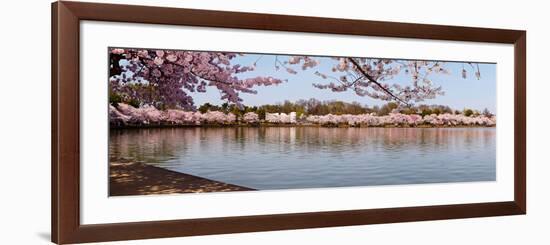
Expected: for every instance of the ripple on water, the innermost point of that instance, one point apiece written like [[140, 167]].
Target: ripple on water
[[306, 157]]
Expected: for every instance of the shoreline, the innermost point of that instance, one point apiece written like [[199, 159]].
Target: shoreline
[[284, 126], [129, 179]]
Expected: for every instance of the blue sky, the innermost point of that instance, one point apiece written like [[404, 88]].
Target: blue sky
[[459, 93]]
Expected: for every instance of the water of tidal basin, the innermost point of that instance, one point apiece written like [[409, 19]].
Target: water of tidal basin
[[267, 158]]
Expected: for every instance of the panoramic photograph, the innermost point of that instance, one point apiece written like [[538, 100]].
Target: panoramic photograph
[[184, 121]]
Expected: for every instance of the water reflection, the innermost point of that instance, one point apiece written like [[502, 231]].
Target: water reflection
[[303, 157]]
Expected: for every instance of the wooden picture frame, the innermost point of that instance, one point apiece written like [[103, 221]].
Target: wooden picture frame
[[65, 175]]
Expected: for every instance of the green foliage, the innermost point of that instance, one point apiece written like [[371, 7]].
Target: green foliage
[[387, 108], [408, 111], [261, 113], [487, 113], [236, 111], [205, 107], [468, 112], [135, 103], [316, 107], [114, 98], [426, 112], [225, 106]]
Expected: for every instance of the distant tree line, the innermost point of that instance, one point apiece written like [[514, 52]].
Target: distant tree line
[[317, 107]]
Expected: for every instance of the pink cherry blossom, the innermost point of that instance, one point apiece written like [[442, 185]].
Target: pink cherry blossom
[[124, 115], [162, 78], [251, 117], [369, 76]]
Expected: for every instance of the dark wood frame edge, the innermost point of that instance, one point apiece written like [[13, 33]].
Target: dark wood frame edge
[[65, 223]]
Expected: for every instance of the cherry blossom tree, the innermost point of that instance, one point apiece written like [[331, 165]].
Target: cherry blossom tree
[[165, 79], [251, 117], [126, 115], [370, 76], [398, 119]]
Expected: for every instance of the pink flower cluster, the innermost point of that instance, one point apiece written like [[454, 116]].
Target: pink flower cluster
[[175, 75], [218, 117], [124, 115], [399, 119], [459, 119], [280, 117], [251, 117]]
